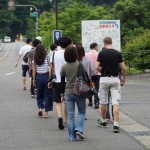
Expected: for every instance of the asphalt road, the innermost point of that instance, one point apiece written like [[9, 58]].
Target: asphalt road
[[21, 129]]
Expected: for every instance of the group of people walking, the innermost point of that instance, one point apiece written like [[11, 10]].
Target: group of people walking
[[54, 76]]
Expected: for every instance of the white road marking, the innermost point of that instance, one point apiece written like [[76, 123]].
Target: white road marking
[[10, 73]]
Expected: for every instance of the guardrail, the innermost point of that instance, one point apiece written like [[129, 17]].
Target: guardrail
[[138, 61]]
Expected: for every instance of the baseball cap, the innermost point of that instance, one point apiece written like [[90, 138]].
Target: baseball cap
[[39, 38]]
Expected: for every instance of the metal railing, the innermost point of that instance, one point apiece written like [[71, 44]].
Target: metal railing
[[138, 60]]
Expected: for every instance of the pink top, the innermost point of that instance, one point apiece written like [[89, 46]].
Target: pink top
[[93, 54]]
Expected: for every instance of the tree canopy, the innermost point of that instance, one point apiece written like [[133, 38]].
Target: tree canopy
[[133, 14]]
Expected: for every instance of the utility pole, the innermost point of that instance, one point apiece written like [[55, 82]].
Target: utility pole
[[56, 5], [56, 12]]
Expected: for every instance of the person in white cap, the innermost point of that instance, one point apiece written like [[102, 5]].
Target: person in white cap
[[39, 38]]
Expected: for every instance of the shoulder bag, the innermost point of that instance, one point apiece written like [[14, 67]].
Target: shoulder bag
[[82, 83]]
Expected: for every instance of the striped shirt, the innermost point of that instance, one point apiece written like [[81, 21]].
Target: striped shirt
[[45, 67]]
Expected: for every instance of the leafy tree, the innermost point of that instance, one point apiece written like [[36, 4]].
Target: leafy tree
[[30, 28], [70, 20], [46, 27], [134, 16], [6, 20], [137, 45]]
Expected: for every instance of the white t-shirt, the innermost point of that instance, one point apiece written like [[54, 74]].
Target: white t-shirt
[[58, 48], [59, 61], [23, 51]]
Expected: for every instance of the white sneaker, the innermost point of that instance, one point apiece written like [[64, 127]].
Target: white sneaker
[[80, 135]]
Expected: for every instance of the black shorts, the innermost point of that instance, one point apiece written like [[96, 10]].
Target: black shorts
[[25, 68], [57, 92]]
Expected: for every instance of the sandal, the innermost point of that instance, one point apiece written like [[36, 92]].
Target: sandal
[[24, 88], [46, 115], [40, 113]]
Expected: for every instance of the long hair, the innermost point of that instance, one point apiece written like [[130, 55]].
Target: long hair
[[81, 52], [40, 55]]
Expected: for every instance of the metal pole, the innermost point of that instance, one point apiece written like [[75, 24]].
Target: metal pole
[[56, 3], [36, 24]]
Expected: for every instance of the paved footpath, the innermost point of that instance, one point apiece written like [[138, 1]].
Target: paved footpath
[[22, 129]]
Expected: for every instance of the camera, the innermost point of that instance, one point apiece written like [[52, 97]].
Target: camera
[[93, 91], [52, 77]]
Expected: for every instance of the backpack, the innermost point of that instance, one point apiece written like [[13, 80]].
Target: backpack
[[25, 58]]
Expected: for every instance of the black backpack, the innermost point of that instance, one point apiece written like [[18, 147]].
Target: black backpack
[[25, 58]]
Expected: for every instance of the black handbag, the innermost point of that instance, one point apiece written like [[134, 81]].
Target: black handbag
[[82, 83]]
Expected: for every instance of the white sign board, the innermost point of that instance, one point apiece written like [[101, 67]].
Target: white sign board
[[94, 31]]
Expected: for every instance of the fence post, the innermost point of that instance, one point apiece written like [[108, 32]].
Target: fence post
[[129, 62], [142, 62]]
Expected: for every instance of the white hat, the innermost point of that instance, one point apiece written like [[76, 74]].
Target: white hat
[[39, 38]]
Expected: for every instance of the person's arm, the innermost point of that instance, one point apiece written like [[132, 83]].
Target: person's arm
[[123, 68], [29, 61], [50, 72], [92, 68], [18, 58], [97, 66], [51, 68], [34, 74]]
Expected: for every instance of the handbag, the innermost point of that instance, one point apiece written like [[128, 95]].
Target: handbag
[[82, 83]]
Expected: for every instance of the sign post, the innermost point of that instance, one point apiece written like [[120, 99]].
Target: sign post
[[57, 34]]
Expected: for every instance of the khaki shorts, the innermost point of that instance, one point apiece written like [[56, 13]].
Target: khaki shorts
[[111, 84]]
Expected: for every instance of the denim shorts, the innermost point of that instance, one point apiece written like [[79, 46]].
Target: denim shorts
[[111, 84]]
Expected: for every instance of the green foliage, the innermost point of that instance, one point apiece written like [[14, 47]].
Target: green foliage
[[141, 42], [46, 27], [13, 22], [134, 17], [138, 51], [30, 28], [132, 71], [70, 20]]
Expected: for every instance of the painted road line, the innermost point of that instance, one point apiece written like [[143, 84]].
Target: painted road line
[[5, 54], [10, 73]]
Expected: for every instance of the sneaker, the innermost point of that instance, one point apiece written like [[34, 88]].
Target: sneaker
[[32, 96], [65, 124], [60, 123], [96, 106], [80, 135], [90, 104], [116, 129], [103, 125]]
